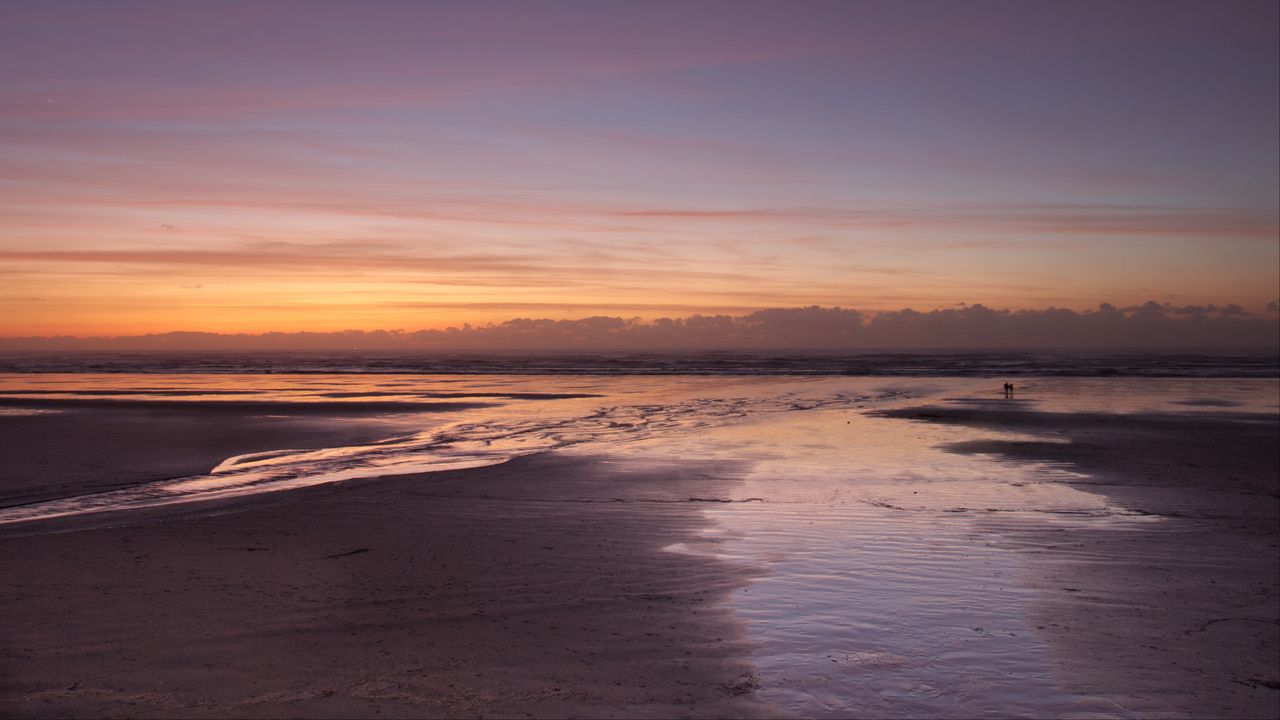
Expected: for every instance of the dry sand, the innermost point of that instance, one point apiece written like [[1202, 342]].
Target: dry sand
[[535, 588], [1179, 618]]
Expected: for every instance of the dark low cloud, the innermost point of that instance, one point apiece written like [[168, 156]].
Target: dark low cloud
[[1229, 310], [1148, 326]]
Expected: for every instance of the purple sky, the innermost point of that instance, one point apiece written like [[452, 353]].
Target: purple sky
[[317, 166]]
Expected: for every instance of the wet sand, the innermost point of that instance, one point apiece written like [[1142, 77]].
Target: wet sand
[[1177, 619], [534, 588], [79, 446], [540, 587]]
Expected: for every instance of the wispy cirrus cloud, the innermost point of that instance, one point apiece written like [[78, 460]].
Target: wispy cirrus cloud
[[355, 256], [1064, 219], [399, 163]]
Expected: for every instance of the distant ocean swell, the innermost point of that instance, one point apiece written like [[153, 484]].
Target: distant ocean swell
[[968, 364]]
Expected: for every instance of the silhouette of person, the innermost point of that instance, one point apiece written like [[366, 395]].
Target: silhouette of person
[[1008, 390]]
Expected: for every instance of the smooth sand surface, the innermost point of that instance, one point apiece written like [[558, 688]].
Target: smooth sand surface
[[89, 446], [535, 588], [540, 587], [238, 407], [1178, 618]]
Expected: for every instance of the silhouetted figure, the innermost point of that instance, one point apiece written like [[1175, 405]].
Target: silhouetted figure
[[1008, 390]]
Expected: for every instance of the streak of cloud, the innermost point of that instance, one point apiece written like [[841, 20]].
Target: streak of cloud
[[422, 164]]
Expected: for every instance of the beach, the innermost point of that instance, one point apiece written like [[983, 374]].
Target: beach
[[98, 447], [662, 547], [1176, 619], [457, 596]]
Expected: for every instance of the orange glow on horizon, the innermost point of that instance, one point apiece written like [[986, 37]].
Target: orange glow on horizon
[[421, 175]]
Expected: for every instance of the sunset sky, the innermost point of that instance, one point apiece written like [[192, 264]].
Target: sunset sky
[[256, 166]]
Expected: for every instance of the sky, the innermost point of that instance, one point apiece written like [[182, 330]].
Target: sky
[[226, 167]]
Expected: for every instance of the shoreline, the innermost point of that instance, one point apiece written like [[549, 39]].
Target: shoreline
[[55, 455]]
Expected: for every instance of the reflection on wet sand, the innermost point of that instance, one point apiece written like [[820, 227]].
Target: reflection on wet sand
[[478, 434], [882, 597], [914, 544], [1039, 557]]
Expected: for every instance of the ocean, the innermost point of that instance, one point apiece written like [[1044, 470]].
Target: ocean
[[1244, 364]]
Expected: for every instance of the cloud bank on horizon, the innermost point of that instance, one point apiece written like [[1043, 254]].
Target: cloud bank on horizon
[[1150, 326], [385, 164]]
